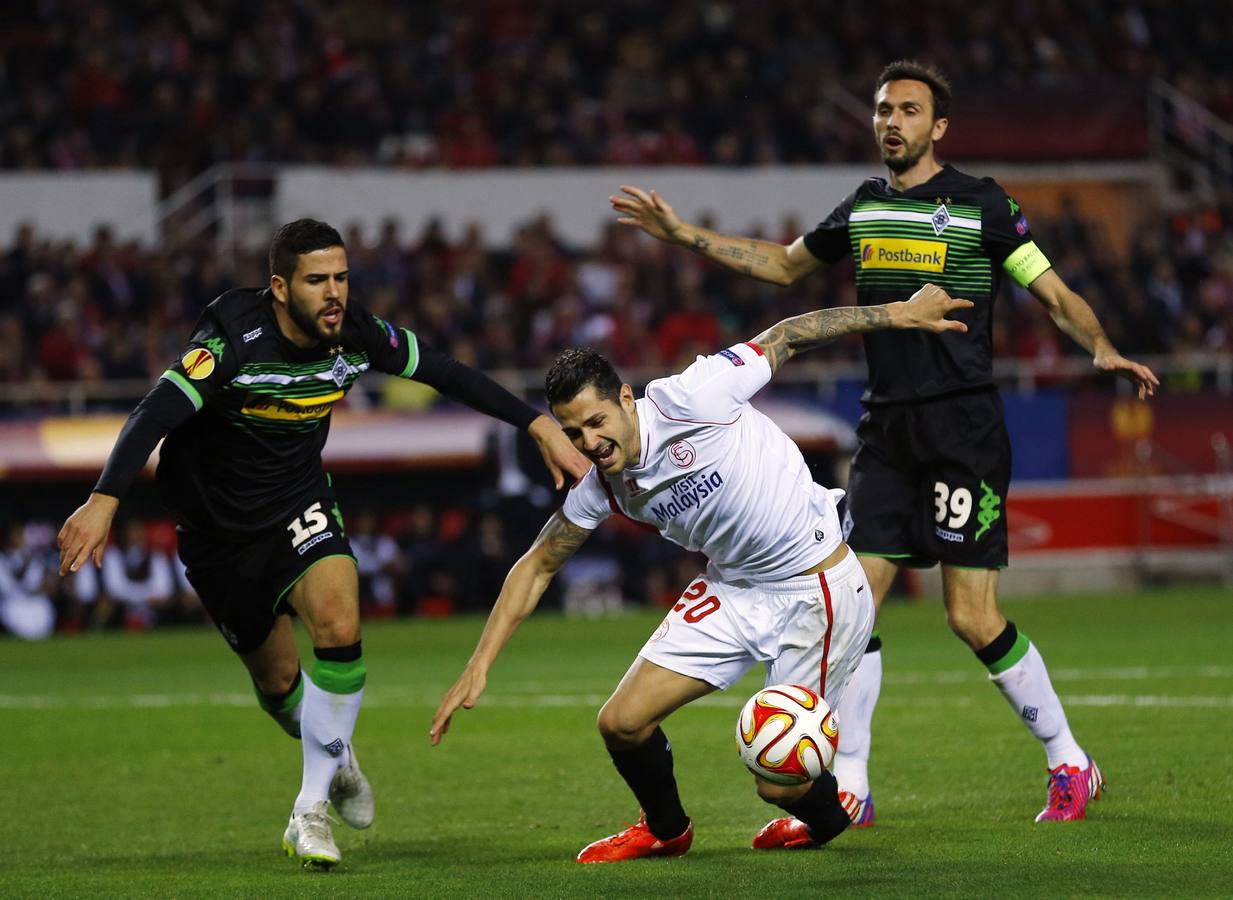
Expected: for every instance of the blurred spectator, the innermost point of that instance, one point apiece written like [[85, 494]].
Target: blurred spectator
[[138, 578], [26, 609], [380, 564]]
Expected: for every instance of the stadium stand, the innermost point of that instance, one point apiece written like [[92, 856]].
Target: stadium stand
[[141, 85]]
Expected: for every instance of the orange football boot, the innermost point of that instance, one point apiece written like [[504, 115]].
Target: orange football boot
[[635, 842]]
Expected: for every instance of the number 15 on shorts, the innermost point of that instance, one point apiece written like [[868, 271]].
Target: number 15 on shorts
[[307, 525]]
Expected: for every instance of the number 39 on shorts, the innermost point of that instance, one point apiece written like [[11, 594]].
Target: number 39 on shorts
[[693, 606], [952, 507]]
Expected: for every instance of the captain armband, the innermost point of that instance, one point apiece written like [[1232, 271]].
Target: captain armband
[[1026, 264]]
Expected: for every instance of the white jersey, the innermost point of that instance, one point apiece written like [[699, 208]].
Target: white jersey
[[716, 475]]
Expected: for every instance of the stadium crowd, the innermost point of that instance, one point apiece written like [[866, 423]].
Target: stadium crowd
[[178, 88], [512, 82], [121, 311]]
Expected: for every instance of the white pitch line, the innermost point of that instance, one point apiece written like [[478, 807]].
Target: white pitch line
[[564, 701], [542, 694]]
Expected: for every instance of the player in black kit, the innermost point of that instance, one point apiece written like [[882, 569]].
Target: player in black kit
[[930, 475], [246, 411]]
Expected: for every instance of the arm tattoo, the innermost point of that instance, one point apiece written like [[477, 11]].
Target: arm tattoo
[[701, 243], [749, 255], [560, 539], [782, 341]]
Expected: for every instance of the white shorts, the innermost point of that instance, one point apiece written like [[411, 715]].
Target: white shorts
[[810, 630]]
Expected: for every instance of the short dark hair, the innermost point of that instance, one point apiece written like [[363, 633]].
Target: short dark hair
[[576, 369], [296, 238], [911, 70]]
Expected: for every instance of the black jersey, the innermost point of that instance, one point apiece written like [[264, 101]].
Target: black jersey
[[254, 449], [955, 231], [246, 412]]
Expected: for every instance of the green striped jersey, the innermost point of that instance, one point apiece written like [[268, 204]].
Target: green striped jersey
[[253, 449], [955, 231]]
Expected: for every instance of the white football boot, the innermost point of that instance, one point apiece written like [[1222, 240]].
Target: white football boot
[[308, 837], [351, 793]]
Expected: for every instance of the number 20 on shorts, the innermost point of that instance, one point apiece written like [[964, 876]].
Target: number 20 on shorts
[[694, 608]]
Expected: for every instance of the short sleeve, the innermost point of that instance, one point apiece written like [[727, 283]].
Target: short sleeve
[[714, 388], [1007, 237], [586, 504], [207, 364], [390, 349], [830, 241]]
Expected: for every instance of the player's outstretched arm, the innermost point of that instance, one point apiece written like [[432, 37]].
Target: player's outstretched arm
[[481, 393], [764, 260], [1075, 318], [927, 310], [524, 585]]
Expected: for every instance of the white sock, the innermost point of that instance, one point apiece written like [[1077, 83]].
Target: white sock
[[327, 721], [1027, 689], [856, 725]]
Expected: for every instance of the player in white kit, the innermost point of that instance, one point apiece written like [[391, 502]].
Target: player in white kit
[[694, 460]]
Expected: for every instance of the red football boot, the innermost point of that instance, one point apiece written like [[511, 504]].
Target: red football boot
[[788, 833], [635, 842]]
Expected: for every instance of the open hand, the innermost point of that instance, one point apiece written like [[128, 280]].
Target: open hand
[[647, 211], [1136, 373], [84, 534]]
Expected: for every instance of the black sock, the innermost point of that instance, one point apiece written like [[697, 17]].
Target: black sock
[[819, 809], [647, 769]]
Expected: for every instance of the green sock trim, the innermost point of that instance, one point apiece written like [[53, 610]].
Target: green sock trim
[[287, 703], [339, 677], [1016, 653]]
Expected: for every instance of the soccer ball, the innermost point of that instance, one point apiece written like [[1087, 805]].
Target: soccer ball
[[787, 734]]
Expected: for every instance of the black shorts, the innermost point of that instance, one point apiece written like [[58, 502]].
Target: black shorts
[[243, 581], [929, 480]]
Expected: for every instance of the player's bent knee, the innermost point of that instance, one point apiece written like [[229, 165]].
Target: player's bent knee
[[973, 625], [620, 729], [277, 683], [335, 624]]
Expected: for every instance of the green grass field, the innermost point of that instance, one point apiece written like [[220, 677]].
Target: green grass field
[[141, 766]]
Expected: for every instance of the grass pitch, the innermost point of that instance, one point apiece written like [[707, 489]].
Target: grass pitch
[[141, 766]]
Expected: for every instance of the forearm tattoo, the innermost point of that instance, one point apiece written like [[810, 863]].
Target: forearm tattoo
[[781, 341], [743, 258], [560, 539]]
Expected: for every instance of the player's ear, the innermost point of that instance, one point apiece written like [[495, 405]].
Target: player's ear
[[939, 128], [627, 395], [279, 287]]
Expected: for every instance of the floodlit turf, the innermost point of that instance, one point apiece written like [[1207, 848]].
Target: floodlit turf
[[140, 766]]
